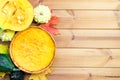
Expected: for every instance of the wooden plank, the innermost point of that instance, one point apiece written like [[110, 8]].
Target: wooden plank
[[80, 77], [87, 14], [88, 19], [88, 24], [88, 38], [83, 4], [90, 33], [87, 58], [86, 0], [87, 71]]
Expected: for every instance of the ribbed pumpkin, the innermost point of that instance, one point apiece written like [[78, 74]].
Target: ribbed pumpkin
[[32, 50], [15, 15]]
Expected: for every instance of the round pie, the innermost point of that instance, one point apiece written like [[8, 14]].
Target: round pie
[[32, 50]]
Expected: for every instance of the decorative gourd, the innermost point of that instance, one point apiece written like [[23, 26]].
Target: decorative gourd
[[32, 50], [6, 64], [15, 15], [16, 75], [7, 35], [42, 14], [4, 49]]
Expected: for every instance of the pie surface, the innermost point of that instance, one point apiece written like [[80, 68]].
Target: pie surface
[[32, 50]]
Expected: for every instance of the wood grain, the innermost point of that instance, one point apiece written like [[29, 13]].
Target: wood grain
[[76, 58], [80, 77], [84, 19], [83, 4], [88, 47], [89, 24], [87, 14], [88, 71], [88, 39]]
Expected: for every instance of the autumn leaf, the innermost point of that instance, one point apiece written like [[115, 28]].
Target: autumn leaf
[[2, 74], [50, 25], [40, 76], [54, 20], [52, 30]]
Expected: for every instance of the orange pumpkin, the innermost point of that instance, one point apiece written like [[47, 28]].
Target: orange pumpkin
[[15, 15]]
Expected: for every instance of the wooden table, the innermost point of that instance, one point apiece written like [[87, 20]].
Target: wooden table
[[89, 45]]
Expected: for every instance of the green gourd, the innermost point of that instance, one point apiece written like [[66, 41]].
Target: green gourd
[[6, 64], [16, 75], [4, 49]]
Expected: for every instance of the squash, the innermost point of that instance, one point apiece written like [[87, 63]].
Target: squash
[[6, 64], [15, 15], [42, 14], [7, 35], [32, 50], [4, 49], [17, 75]]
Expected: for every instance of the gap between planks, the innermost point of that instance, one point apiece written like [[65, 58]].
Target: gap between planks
[[88, 71], [80, 77]]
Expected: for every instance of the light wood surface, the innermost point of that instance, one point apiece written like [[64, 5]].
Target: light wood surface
[[88, 47]]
